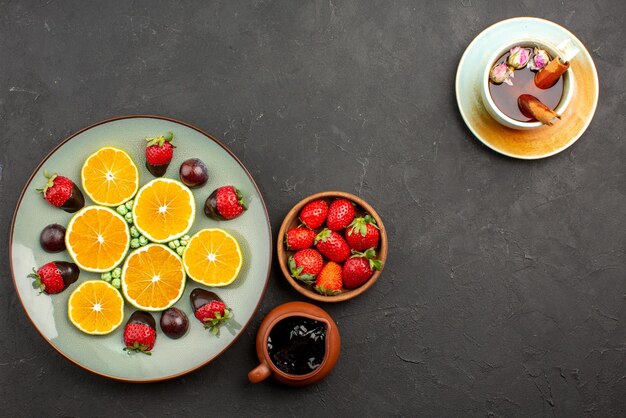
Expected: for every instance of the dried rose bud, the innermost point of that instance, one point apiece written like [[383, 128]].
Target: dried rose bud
[[501, 73], [539, 60], [518, 57]]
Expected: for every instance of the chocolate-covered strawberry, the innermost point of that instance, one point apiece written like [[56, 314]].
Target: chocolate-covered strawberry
[[159, 154], [306, 264], [209, 309], [363, 233], [332, 246], [140, 333], [340, 213], [359, 268], [61, 192], [299, 238], [55, 276], [225, 203], [313, 214]]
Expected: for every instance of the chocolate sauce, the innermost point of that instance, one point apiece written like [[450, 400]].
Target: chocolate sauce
[[142, 317], [210, 207], [297, 345], [200, 297], [69, 272], [75, 202], [157, 170], [505, 96]]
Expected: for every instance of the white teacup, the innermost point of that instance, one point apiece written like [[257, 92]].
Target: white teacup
[[566, 50]]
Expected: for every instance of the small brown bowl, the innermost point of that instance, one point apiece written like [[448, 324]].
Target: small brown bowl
[[291, 221]]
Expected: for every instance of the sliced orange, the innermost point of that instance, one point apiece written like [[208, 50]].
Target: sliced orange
[[97, 238], [213, 257], [164, 210], [110, 177], [95, 307], [153, 278]]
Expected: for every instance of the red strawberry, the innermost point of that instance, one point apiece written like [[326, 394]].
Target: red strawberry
[[61, 192], [313, 214], [225, 203], [329, 282], [299, 238], [306, 264], [140, 333], [209, 309], [363, 233], [340, 213], [332, 246], [359, 268], [159, 153], [55, 276]]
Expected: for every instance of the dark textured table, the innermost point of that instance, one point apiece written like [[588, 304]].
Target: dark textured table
[[504, 292]]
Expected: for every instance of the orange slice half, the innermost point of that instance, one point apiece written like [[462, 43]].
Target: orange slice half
[[97, 239], [153, 278], [95, 307], [110, 177], [213, 257], [164, 210]]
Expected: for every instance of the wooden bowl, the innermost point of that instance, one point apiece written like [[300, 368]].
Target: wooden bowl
[[291, 221]]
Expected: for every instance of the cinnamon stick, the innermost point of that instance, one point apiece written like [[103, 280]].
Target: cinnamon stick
[[551, 73], [533, 108]]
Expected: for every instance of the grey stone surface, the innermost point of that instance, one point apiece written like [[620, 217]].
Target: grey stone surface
[[505, 291]]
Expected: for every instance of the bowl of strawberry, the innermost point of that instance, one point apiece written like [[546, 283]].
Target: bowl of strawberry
[[332, 246]]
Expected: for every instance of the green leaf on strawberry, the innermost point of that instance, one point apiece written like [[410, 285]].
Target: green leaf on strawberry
[[296, 272], [160, 140], [370, 255], [326, 292], [213, 324]]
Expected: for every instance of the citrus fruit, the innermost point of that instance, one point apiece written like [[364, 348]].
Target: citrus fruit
[[213, 257], [97, 238], [110, 177], [153, 278], [164, 210], [95, 307]]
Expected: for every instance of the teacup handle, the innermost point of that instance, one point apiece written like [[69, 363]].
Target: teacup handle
[[259, 373]]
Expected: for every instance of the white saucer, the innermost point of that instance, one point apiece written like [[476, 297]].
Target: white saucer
[[531, 144]]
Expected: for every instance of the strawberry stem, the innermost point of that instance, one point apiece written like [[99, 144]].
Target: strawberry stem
[[160, 140], [240, 200], [49, 183]]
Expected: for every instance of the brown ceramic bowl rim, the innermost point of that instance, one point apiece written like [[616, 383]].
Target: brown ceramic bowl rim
[[267, 219], [266, 354], [282, 254]]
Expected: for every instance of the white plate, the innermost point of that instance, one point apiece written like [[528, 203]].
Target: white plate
[[104, 354], [530, 144]]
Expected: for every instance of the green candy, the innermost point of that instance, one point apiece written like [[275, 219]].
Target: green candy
[[134, 243], [129, 217], [180, 250], [116, 273], [176, 243], [171, 245], [129, 204], [122, 210], [106, 276], [117, 283], [143, 240], [185, 238], [183, 242], [134, 232]]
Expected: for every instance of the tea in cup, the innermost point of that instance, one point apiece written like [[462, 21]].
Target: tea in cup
[[528, 83]]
